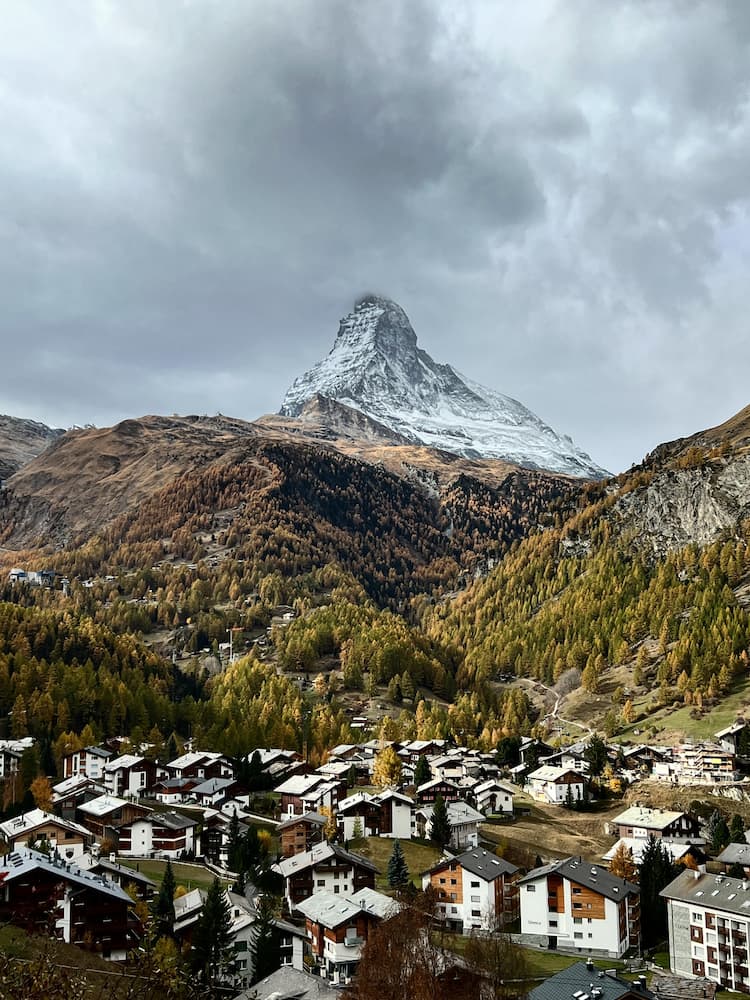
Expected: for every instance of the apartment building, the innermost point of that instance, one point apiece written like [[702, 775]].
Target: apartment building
[[709, 925], [576, 905], [474, 891]]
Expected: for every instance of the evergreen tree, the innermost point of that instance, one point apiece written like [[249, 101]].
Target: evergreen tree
[[398, 871], [595, 753], [422, 771], [440, 826], [622, 864], [717, 831], [657, 871], [211, 953], [265, 946], [737, 830], [234, 846], [164, 905]]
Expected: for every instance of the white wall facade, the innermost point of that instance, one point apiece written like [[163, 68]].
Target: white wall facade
[[572, 928]]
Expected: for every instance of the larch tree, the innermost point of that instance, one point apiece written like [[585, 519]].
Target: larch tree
[[623, 864], [387, 768]]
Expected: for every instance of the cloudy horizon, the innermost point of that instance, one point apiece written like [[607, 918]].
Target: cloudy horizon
[[558, 194]]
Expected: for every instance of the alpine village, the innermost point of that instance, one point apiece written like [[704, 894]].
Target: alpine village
[[321, 707]]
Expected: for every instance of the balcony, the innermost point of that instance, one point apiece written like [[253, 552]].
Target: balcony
[[353, 942]]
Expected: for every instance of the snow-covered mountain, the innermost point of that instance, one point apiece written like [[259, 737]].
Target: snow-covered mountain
[[375, 366]]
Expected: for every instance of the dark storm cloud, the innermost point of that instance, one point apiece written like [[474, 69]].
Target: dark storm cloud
[[191, 194]]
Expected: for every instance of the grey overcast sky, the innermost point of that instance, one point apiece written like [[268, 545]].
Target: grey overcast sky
[[557, 192]]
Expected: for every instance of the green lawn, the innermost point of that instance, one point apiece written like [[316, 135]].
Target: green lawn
[[717, 718], [191, 876], [419, 856]]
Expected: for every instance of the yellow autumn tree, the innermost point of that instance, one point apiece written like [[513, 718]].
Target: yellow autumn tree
[[387, 768]]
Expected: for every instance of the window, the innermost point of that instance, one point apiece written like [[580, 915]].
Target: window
[[553, 923], [577, 920], [337, 888], [578, 935], [475, 913], [474, 885], [453, 897], [476, 899], [321, 883], [530, 888]]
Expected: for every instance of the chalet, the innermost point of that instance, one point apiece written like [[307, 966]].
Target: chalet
[[89, 761], [338, 927], [174, 791], [214, 791], [678, 850], [44, 895], [11, 752], [463, 818], [733, 854], [129, 776], [104, 815], [574, 904], [165, 835], [387, 814], [492, 797], [300, 833], [242, 913], [474, 891], [639, 821], [429, 791], [324, 866], [709, 926], [556, 785], [584, 979], [126, 878], [734, 739], [68, 794], [199, 764], [294, 984], [309, 793], [448, 767], [37, 827], [414, 749]]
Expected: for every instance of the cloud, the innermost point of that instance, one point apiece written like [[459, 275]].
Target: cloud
[[192, 194]]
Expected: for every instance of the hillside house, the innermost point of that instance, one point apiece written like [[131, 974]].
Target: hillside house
[[324, 867], [188, 910], [129, 776], [45, 895], [733, 854], [574, 904], [387, 814], [642, 822], [429, 791], [300, 833], [11, 752], [556, 785], [37, 827], [474, 891], [105, 815], [338, 927], [463, 818], [89, 761], [309, 793], [493, 797], [164, 835]]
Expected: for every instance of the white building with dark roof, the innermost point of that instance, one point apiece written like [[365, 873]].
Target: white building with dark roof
[[576, 905], [475, 890]]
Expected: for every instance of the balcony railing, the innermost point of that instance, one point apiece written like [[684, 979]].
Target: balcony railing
[[353, 942]]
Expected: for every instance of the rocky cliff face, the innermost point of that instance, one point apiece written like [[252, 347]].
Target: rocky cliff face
[[683, 506], [20, 441], [377, 368]]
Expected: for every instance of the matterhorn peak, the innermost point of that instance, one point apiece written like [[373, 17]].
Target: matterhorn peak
[[375, 366]]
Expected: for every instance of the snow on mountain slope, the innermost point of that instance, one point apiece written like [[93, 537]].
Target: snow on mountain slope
[[375, 366]]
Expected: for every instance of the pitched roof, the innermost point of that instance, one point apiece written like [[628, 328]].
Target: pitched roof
[[313, 818], [579, 980], [102, 805], [331, 910], [719, 892], [549, 773], [733, 854], [318, 855], [32, 820], [649, 819], [485, 865], [292, 984], [584, 873], [19, 863]]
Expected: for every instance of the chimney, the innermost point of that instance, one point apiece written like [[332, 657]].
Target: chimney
[[590, 965]]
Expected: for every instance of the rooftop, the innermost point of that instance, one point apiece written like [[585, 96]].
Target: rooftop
[[580, 981], [732, 895], [21, 862], [584, 873], [649, 819]]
